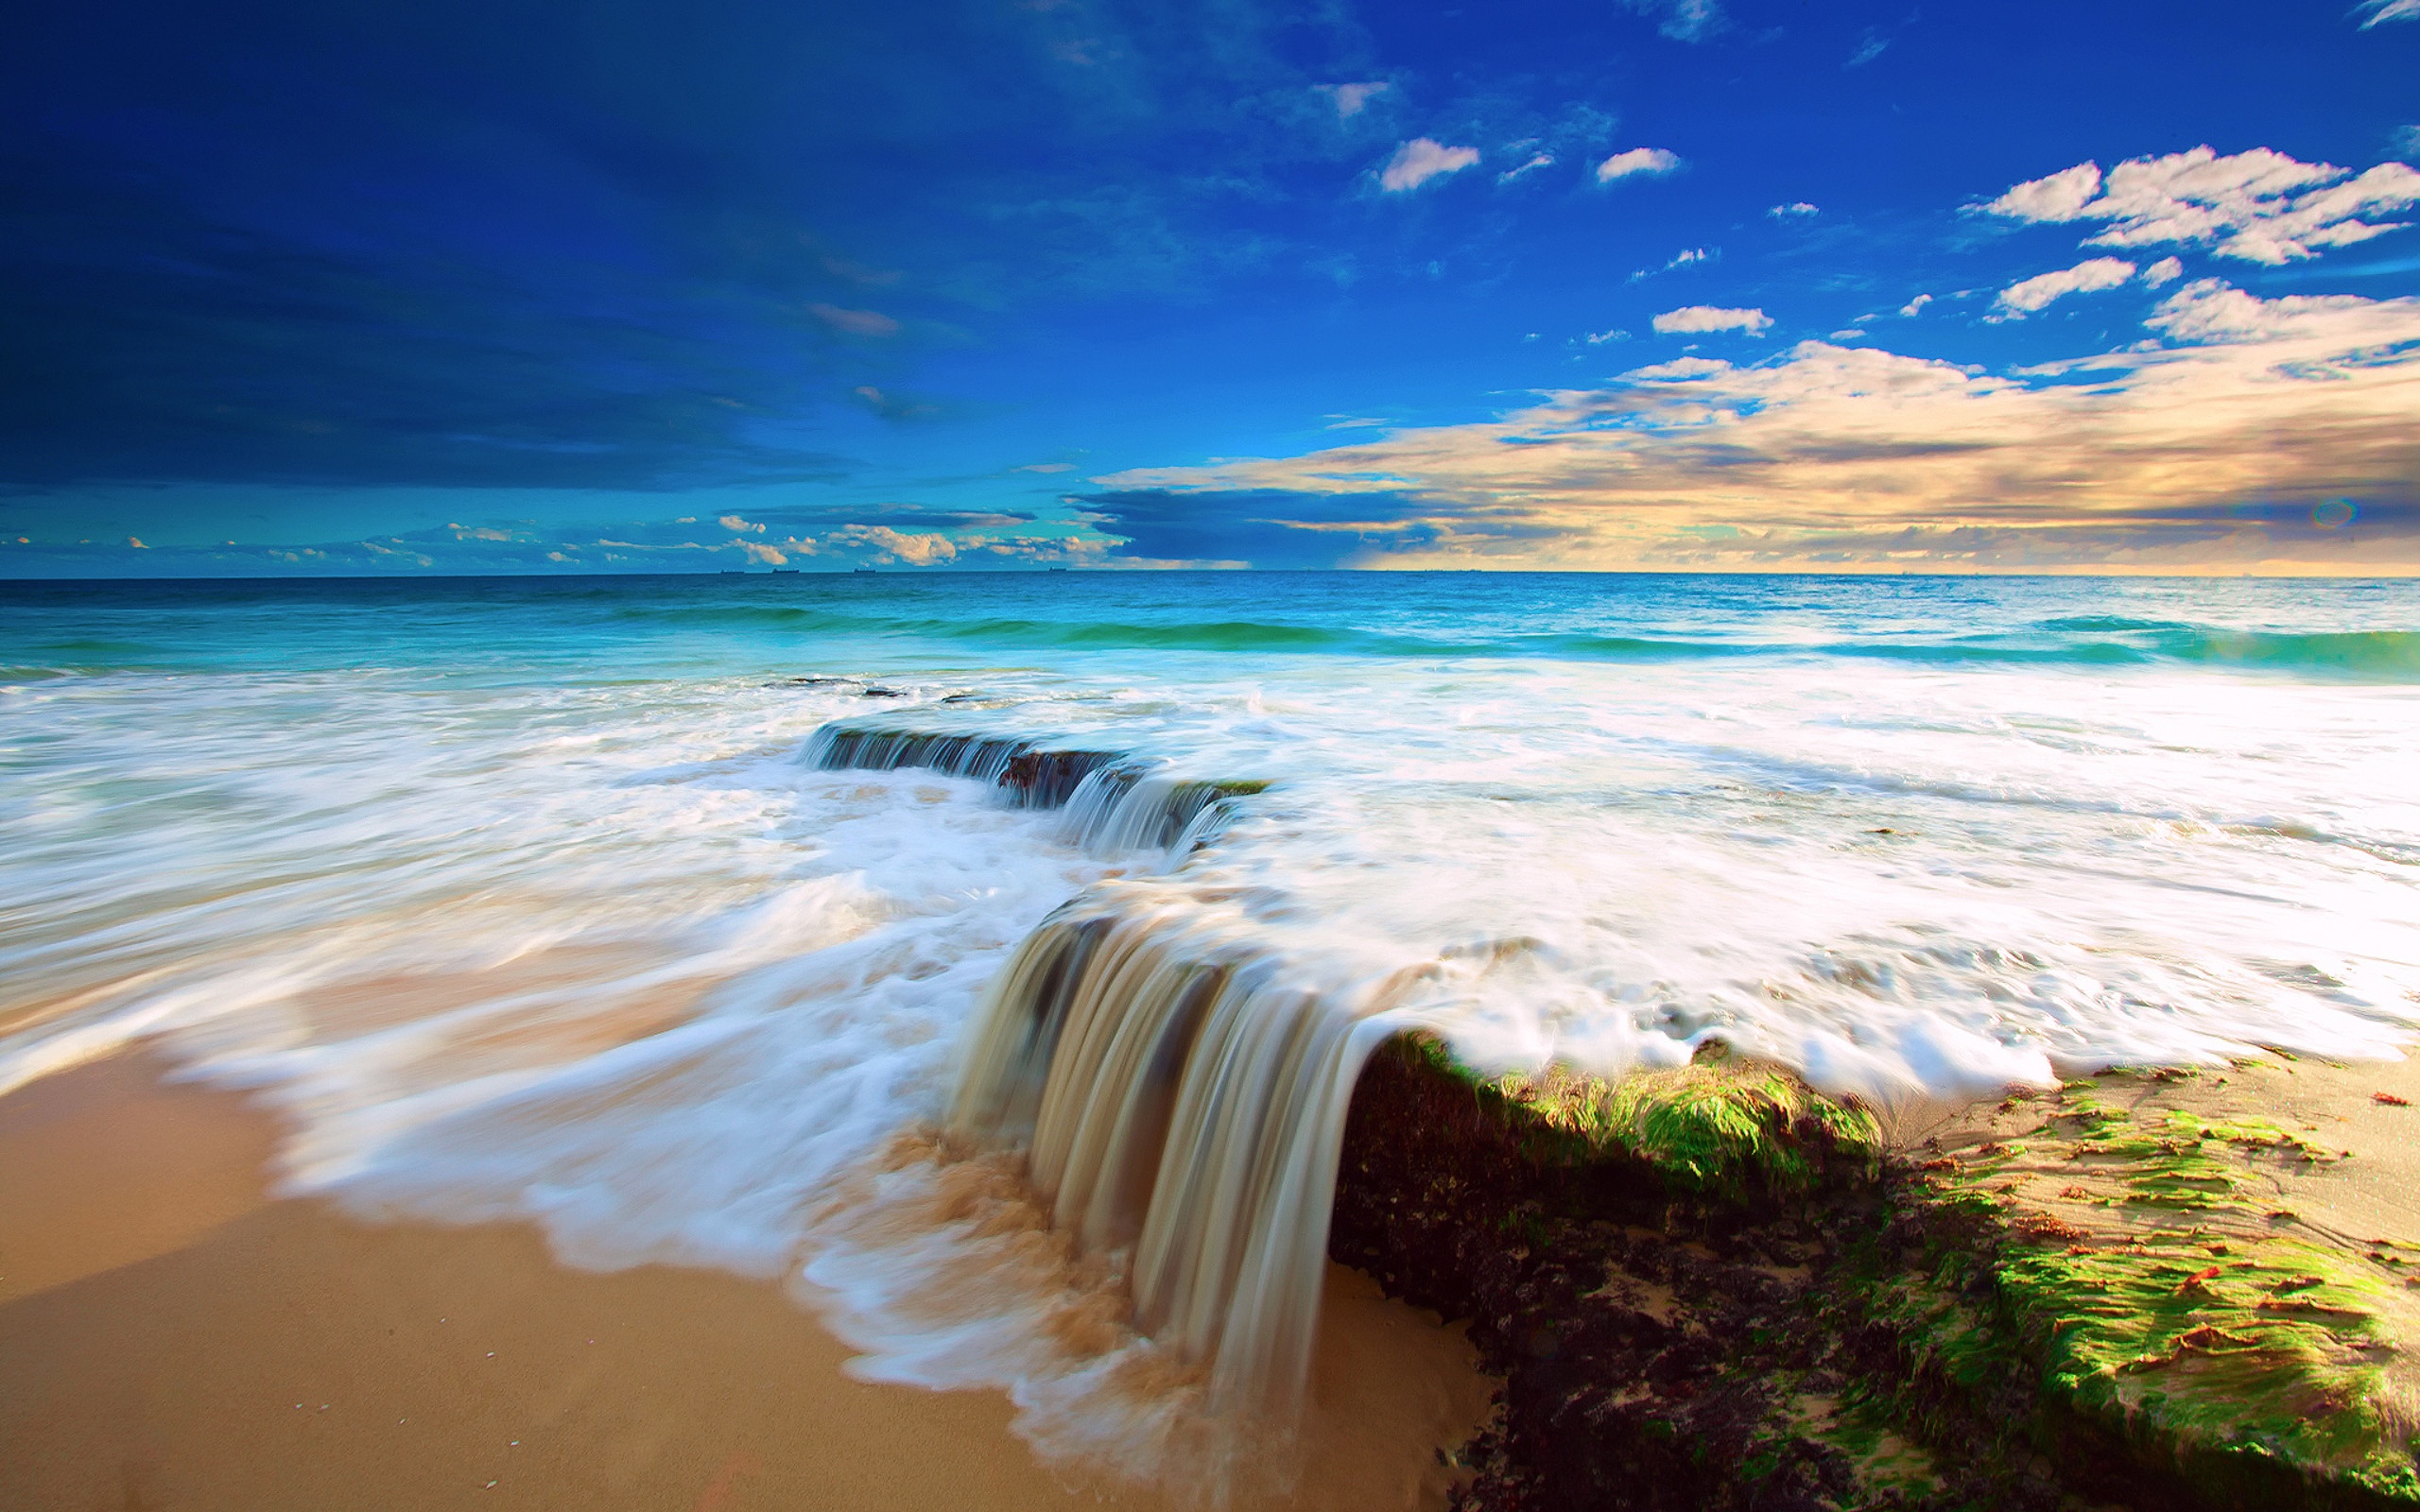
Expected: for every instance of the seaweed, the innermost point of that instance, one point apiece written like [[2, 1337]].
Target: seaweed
[[2158, 1291], [1718, 1129], [1716, 1288]]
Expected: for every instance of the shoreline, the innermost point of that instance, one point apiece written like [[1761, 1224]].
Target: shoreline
[[1817, 1312], [177, 1338]]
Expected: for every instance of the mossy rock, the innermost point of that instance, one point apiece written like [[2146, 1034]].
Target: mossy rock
[[2137, 1261], [2113, 1305], [1720, 1129]]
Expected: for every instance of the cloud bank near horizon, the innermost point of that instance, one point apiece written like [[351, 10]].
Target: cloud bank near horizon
[[2240, 433], [2243, 433], [294, 290]]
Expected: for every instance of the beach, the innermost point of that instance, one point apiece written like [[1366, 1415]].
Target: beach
[[175, 1338], [912, 1024]]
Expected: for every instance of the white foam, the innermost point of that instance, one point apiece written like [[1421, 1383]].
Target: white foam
[[607, 955]]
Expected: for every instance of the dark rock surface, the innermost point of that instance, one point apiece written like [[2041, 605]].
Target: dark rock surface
[[1743, 1351]]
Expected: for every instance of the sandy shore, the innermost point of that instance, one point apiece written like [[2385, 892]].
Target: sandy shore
[[2368, 1112], [171, 1338]]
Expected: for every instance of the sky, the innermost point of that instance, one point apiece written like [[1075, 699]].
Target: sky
[[535, 286]]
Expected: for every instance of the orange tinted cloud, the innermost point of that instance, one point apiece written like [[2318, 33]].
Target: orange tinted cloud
[[2246, 434]]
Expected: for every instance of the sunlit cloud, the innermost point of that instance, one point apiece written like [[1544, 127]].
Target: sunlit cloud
[[1794, 211], [2028, 295], [917, 549], [1420, 160], [1651, 162], [1915, 306], [2373, 11], [1692, 318], [2258, 206], [2243, 433]]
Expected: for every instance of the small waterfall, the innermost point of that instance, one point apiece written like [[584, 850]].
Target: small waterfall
[[1031, 776], [1116, 804], [1177, 1094], [1181, 1102], [1130, 806]]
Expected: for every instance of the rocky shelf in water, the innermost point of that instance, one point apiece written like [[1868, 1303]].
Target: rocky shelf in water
[[1121, 801], [1714, 1289]]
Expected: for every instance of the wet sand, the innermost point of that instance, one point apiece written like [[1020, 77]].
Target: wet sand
[[172, 1338], [2368, 1112]]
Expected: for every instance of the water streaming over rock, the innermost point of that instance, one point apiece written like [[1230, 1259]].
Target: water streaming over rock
[[1178, 1098], [1114, 802], [1181, 1097], [517, 898]]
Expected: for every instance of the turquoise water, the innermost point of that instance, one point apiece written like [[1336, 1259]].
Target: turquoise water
[[2361, 629], [522, 899]]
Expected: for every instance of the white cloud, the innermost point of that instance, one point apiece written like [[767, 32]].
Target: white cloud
[[1848, 333], [2326, 329], [2028, 295], [733, 522], [2387, 10], [1791, 211], [758, 552], [917, 550], [1597, 338], [1420, 160], [1542, 160], [1853, 457], [1680, 258], [1917, 305], [2258, 206], [1351, 98], [1653, 161], [1699, 317], [2062, 196], [1868, 50], [1679, 370], [2407, 141], [856, 322], [2167, 271], [137, 543], [1682, 20]]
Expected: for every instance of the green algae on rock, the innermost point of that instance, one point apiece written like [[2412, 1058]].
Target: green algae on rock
[[2144, 1264], [1714, 1130], [1712, 1289]]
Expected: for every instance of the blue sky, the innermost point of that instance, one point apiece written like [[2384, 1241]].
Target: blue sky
[[518, 286]]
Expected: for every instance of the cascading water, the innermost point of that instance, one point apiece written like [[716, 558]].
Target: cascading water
[[1181, 1101], [538, 913], [1178, 1098], [1116, 804], [1171, 1055]]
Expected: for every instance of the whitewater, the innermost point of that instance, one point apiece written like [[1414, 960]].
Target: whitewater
[[651, 910]]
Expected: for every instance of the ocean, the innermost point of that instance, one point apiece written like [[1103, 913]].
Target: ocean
[[612, 904]]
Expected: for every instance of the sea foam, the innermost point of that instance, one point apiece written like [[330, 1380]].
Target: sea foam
[[522, 905]]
